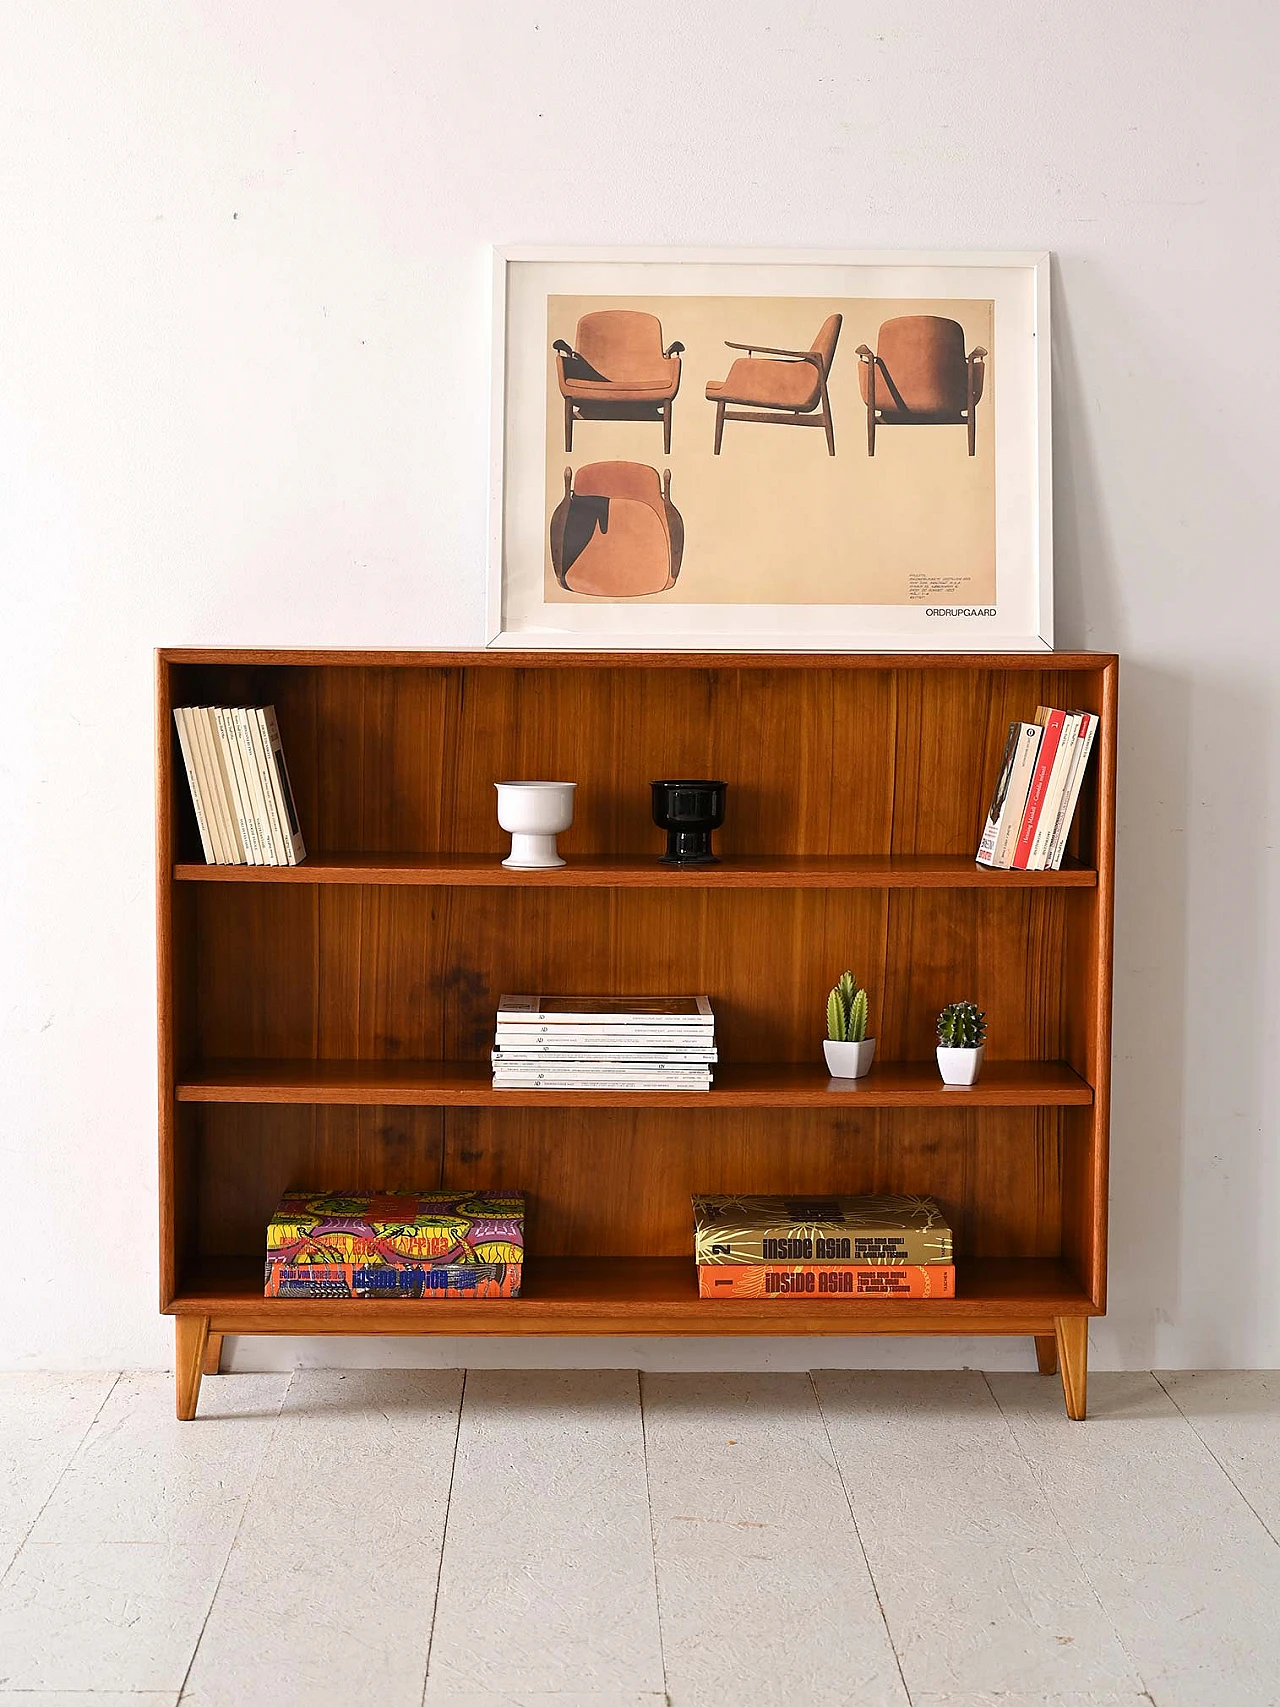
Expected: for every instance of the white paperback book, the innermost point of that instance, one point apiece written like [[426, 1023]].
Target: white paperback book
[[627, 1050], [186, 743], [265, 763], [1038, 858], [675, 1013], [257, 801], [232, 852], [1084, 746], [236, 785], [553, 1082], [295, 847], [1007, 807]]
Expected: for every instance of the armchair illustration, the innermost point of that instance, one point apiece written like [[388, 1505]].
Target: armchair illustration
[[787, 388], [919, 374], [615, 533], [618, 370]]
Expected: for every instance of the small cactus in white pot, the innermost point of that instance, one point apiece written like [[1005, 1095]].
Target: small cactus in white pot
[[848, 1049], [962, 1037]]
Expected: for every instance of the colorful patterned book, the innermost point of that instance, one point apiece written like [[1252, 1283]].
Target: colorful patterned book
[[880, 1231], [397, 1229], [410, 1280], [826, 1280]]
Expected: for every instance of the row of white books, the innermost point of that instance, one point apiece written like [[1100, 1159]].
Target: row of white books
[[1036, 794], [625, 1043], [239, 784]]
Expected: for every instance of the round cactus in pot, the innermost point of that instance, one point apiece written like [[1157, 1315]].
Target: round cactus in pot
[[962, 1036]]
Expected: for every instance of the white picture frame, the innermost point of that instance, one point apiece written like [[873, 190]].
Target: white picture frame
[[526, 280]]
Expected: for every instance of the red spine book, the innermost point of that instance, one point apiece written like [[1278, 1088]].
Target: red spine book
[[826, 1280], [1039, 782]]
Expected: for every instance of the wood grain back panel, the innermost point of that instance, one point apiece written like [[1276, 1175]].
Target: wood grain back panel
[[390, 755], [250, 1156], [818, 761], [622, 1187]]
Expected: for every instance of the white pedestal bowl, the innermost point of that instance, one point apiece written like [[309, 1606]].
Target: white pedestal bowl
[[534, 813]]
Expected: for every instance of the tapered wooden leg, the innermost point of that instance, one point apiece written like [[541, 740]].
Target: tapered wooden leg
[[1047, 1354], [828, 423], [871, 432], [568, 424], [1072, 1334], [973, 433], [666, 428], [191, 1335], [719, 426], [212, 1361]]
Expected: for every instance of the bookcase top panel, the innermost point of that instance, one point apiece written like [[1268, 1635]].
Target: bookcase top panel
[[501, 659]]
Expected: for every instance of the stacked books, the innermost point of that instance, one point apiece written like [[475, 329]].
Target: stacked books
[[396, 1244], [599, 1043], [1037, 790], [822, 1247], [239, 784]]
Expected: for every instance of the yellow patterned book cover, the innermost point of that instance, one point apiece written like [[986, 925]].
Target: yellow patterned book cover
[[397, 1228]]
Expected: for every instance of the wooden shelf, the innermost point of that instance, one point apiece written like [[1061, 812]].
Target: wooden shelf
[[467, 1084], [486, 871], [641, 1295]]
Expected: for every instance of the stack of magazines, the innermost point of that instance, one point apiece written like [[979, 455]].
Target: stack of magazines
[[239, 784], [1037, 790], [602, 1043]]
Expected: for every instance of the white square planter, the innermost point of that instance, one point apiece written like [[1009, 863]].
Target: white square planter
[[849, 1060], [960, 1066]]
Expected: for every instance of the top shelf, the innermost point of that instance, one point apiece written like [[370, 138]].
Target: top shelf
[[802, 871]]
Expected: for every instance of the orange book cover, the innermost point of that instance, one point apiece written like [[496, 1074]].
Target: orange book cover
[[826, 1280]]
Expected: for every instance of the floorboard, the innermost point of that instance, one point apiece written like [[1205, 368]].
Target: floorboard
[[979, 1586], [1185, 1571], [1236, 1412], [112, 1586], [546, 1585], [330, 1581], [43, 1419], [764, 1593], [98, 1698]]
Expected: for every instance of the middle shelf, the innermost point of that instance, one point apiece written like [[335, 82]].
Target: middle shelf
[[788, 1084]]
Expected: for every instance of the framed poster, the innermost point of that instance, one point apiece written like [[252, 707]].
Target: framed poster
[[758, 449]]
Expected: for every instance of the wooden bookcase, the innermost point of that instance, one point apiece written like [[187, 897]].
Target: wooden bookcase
[[329, 1025]]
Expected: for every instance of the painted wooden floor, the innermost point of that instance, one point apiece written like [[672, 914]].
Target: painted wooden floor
[[602, 1539]]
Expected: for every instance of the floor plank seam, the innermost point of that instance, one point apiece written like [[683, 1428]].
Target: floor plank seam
[[263, 1461], [60, 1477], [1266, 1527], [444, 1540], [1072, 1550], [653, 1538], [853, 1518]]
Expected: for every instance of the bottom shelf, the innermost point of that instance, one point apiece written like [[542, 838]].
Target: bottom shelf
[[641, 1295]]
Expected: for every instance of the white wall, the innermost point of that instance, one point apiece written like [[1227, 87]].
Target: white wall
[[243, 347]]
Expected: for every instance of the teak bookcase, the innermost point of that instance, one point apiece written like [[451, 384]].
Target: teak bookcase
[[328, 1025]]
